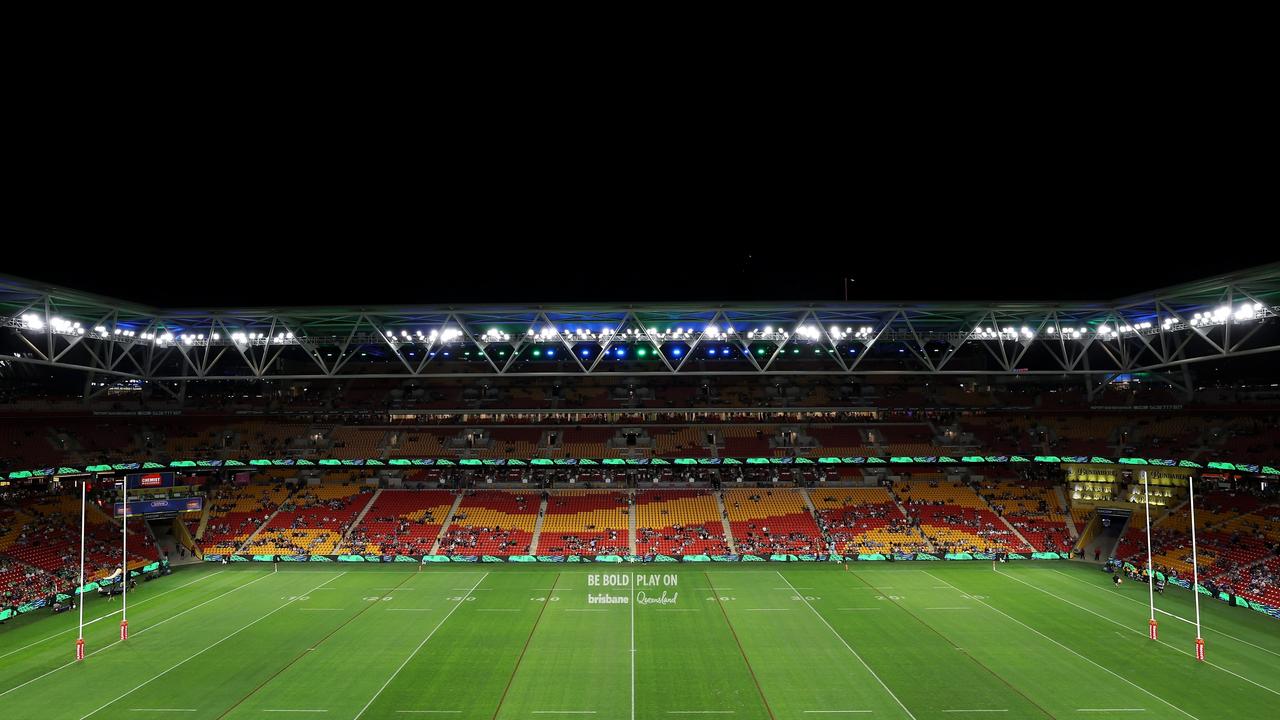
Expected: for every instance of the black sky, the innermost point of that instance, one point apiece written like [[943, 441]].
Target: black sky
[[330, 189], [884, 274]]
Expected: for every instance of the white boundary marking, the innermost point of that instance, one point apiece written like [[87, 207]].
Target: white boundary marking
[[207, 648], [850, 649], [1164, 612], [1139, 632], [149, 627], [1064, 647], [113, 612], [452, 610], [633, 645]]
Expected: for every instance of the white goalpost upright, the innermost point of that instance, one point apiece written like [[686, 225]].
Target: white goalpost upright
[[124, 559], [80, 600], [1195, 569], [1151, 568]]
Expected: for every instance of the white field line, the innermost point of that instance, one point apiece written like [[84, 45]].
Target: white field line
[[207, 648], [452, 610], [113, 612], [1163, 612], [139, 632], [851, 650], [1064, 647], [633, 645], [1111, 710], [1139, 632]]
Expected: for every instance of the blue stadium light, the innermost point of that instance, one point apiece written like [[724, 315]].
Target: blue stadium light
[[585, 352], [551, 353], [676, 352], [620, 352]]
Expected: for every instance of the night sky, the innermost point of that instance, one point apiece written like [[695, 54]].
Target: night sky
[[421, 276], [257, 198]]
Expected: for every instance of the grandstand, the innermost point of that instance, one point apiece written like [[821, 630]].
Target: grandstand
[[754, 510], [492, 522]]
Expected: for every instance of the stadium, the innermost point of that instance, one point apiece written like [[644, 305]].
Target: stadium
[[642, 511]]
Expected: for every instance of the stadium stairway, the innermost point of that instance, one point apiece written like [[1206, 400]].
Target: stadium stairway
[[1004, 520], [813, 510], [808, 501], [631, 522], [444, 529], [537, 527], [358, 519], [724, 520], [204, 520], [259, 529], [1066, 513]]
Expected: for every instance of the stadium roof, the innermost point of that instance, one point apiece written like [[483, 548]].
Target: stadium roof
[[1224, 316]]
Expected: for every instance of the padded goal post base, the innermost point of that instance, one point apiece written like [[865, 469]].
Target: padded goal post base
[[1153, 630], [1200, 649], [124, 629], [79, 649]]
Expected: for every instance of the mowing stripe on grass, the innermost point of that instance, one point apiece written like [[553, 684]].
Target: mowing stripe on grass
[[976, 661], [303, 654], [527, 640], [189, 658], [113, 612], [1126, 597], [853, 652], [1064, 647], [139, 632], [419, 647], [1139, 632], [743, 652]]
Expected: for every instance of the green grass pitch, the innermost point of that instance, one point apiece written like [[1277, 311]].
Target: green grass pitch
[[748, 641]]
